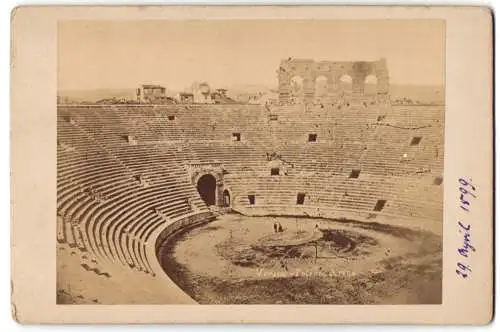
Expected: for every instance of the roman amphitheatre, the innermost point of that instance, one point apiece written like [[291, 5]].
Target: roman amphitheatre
[[330, 194]]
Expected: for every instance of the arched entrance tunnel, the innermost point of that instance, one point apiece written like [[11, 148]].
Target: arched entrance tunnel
[[206, 186]]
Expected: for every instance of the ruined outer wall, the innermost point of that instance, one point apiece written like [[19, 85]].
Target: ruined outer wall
[[310, 70]]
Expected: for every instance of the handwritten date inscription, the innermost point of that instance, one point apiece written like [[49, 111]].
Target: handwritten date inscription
[[467, 191], [467, 195]]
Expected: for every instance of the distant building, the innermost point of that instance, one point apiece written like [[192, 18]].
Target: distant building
[[185, 98], [149, 93], [202, 93], [203, 98]]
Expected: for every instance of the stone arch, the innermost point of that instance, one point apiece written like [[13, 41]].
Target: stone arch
[[297, 85], [345, 83], [321, 86], [370, 86], [226, 198], [198, 171]]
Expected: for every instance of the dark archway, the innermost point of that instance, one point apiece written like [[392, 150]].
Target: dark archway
[[226, 198], [206, 188]]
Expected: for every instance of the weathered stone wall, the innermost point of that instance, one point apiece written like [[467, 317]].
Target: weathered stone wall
[[309, 70]]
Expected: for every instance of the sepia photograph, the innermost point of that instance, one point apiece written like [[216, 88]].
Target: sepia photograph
[[252, 165], [250, 162]]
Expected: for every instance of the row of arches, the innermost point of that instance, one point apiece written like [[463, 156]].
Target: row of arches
[[321, 85]]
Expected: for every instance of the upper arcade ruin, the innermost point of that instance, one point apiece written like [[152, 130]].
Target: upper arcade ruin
[[309, 81]]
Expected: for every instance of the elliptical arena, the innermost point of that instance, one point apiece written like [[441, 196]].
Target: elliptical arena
[[328, 195]]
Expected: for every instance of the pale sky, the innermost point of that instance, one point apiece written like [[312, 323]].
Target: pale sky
[[124, 54]]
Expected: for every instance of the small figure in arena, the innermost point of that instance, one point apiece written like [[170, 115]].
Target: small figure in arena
[[275, 227], [280, 228]]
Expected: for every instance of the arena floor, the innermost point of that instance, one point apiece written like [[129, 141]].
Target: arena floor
[[242, 260]]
